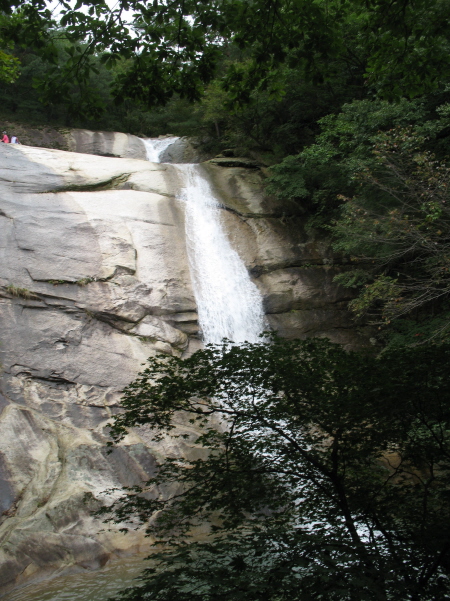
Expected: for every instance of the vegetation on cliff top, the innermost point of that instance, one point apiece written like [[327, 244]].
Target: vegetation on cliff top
[[283, 62]]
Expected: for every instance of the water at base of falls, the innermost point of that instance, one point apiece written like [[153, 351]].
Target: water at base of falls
[[98, 585], [229, 303]]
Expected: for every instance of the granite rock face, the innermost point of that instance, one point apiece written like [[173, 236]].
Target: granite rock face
[[105, 143], [93, 280], [293, 268], [116, 144]]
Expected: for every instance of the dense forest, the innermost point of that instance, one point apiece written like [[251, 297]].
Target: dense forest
[[346, 105]]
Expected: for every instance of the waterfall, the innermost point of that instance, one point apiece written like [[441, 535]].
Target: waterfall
[[156, 146], [229, 304]]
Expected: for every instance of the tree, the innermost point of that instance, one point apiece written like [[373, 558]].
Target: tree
[[397, 47], [322, 474], [398, 228], [327, 170], [9, 64]]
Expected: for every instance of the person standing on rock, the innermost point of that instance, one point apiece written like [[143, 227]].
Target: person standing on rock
[[5, 138]]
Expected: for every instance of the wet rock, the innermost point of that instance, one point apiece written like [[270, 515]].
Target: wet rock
[[183, 150]]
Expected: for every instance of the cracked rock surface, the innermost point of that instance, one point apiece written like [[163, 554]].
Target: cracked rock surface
[[94, 279]]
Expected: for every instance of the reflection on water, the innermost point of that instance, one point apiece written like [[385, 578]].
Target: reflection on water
[[86, 586]]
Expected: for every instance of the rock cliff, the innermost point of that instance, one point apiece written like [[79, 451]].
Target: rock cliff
[[102, 143], [93, 280]]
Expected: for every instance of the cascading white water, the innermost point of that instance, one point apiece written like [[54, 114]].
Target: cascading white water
[[156, 146], [228, 302]]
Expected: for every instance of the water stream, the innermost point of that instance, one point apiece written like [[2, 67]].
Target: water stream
[[229, 304], [155, 147]]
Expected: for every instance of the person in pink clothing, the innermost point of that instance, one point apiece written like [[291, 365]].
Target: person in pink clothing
[[5, 138]]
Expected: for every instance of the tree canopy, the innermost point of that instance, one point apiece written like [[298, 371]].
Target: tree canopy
[[322, 473], [376, 179], [396, 48]]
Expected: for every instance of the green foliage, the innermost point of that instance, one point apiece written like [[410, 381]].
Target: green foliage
[[398, 225], [272, 123], [271, 70], [398, 48], [327, 170], [19, 101], [431, 327], [353, 279], [9, 64], [9, 67], [407, 54], [21, 292], [325, 476]]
